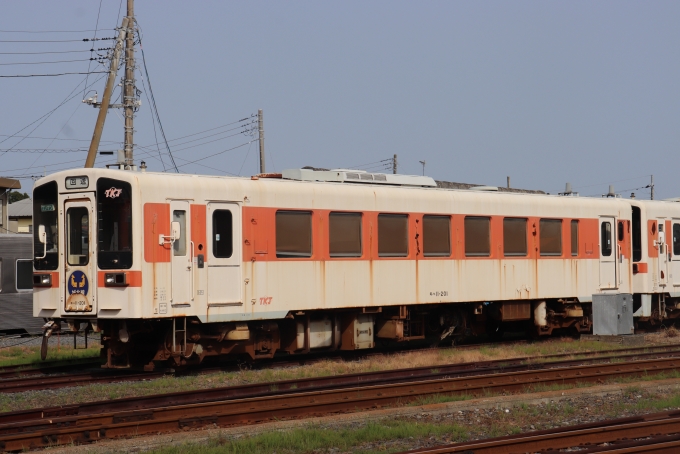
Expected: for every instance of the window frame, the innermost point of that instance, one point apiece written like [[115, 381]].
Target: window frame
[[526, 241], [182, 236], [124, 259], [448, 232], [540, 237], [16, 276], [345, 255], [466, 237], [380, 235], [294, 255]]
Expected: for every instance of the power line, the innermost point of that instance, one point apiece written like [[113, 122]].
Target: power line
[[153, 101], [218, 153], [47, 115], [46, 52], [46, 31], [211, 129], [54, 75], [54, 40], [51, 62], [91, 51]]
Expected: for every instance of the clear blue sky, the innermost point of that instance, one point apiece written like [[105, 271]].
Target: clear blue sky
[[545, 92]]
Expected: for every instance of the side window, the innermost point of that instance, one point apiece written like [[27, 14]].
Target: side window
[[637, 235], [344, 234], [392, 235], [620, 232], [436, 236], [477, 236], [574, 238], [676, 239], [606, 238], [222, 229], [514, 237], [179, 246], [24, 275], [1, 275], [551, 236], [293, 234]]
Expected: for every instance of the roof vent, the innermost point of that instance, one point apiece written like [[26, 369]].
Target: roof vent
[[357, 176]]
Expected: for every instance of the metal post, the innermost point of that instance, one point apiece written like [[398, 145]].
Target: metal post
[[652, 187], [129, 84], [423, 163], [106, 99], [508, 182], [260, 127], [394, 165]]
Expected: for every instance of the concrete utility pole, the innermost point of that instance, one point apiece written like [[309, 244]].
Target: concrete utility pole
[[394, 165], [103, 109], [508, 182], [651, 185], [423, 163], [260, 128], [129, 83]]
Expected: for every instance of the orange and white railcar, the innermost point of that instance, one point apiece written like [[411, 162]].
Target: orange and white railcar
[[182, 267], [656, 260]]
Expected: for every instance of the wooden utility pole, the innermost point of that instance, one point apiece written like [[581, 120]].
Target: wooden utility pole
[[129, 84], [651, 186], [394, 165], [106, 99], [260, 128]]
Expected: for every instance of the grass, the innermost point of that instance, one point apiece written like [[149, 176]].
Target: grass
[[315, 438], [19, 355]]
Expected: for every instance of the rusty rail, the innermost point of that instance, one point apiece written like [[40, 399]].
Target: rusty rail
[[656, 432], [51, 367], [87, 428], [309, 384]]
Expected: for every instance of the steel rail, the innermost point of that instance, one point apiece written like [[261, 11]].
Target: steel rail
[[22, 370], [67, 380], [299, 385], [628, 434], [86, 428]]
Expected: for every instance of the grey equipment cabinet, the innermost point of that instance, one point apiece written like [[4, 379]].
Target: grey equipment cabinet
[[613, 314]]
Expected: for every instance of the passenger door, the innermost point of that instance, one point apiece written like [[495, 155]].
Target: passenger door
[[181, 284], [608, 254], [80, 275], [224, 258], [674, 248], [663, 252]]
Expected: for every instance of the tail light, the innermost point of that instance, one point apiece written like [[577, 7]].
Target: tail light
[[115, 279]]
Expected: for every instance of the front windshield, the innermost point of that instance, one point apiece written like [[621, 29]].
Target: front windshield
[[114, 239], [45, 206]]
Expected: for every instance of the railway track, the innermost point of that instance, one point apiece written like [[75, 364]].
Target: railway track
[[294, 399], [55, 376], [651, 433], [47, 367]]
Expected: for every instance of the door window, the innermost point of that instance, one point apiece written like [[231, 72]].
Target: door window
[[574, 238], [223, 244], [606, 238], [78, 225], [180, 244], [676, 239]]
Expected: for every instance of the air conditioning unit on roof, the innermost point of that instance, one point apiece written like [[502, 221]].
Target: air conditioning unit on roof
[[357, 176]]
